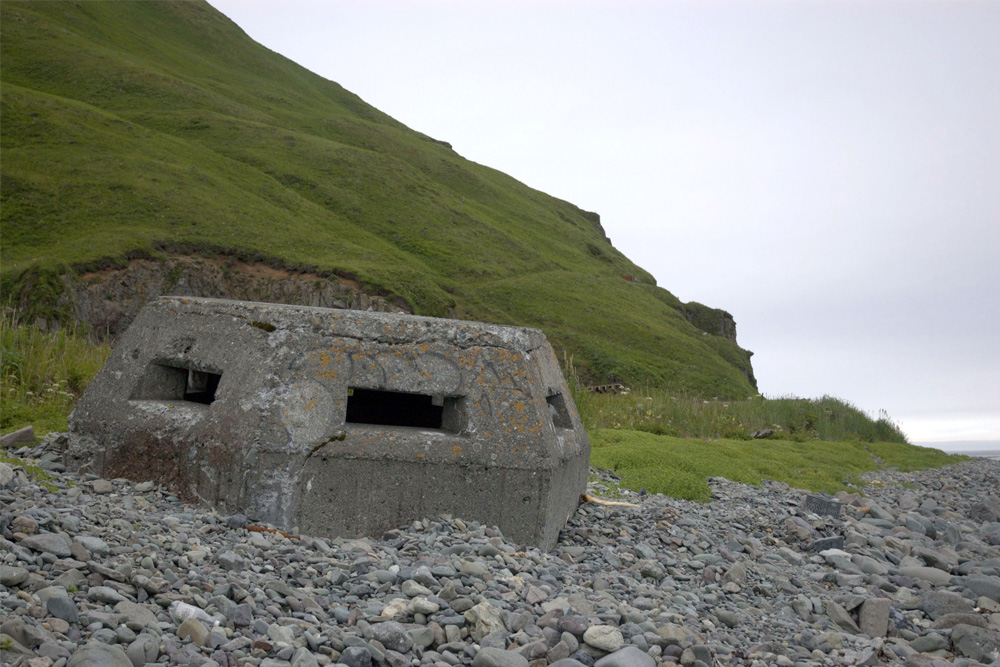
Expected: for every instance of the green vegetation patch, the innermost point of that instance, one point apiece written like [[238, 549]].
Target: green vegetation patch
[[665, 412], [34, 472], [681, 467], [42, 374]]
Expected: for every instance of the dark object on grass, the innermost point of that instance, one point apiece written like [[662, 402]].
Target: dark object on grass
[[766, 433]]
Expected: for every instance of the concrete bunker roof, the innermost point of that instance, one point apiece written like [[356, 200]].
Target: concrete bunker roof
[[386, 328]]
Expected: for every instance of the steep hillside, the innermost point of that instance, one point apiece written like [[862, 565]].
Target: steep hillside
[[152, 143]]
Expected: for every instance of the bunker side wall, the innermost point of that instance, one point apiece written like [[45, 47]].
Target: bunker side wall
[[368, 496]]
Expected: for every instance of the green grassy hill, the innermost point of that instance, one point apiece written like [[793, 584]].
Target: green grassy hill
[[136, 128]]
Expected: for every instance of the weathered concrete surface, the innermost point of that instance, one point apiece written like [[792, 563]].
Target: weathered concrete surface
[[489, 431]]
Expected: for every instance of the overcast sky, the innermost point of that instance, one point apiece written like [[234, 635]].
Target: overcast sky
[[828, 172]]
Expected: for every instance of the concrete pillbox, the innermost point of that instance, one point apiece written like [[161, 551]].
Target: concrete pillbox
[[338, 422]]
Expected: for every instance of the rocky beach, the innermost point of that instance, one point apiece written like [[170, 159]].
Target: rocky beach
[[108, 573]]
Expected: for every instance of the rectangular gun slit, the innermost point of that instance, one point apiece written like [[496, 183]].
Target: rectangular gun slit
[[163, 382], [400, 408]]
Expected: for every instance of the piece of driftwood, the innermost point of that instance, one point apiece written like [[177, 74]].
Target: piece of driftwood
[[587, 498]]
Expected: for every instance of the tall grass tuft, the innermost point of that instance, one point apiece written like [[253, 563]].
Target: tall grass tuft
[[43, 373], [798, 419]]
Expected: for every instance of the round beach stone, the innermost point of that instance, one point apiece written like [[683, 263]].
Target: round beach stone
[[102, 486], [304, 658], [280, 634], [573, 623], [496, 657], [568, 662], [485, 618], [929, 643], [97, 654], [24, 524], [605, 637], [12, 576], [629, 656], [938, 603], [144, 648], [228, 560], [137, 615], [194, 630], [63, 607], [984, 585], [393, 636], [94, 545], [356, 656], [412, 588]]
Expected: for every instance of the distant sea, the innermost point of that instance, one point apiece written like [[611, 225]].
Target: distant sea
[[986, 449], [982, 453]]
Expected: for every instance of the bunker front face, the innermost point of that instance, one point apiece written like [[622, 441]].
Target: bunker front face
[[338, 422]]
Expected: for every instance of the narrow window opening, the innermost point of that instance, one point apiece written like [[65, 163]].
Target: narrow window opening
[[557, 408], [200, 386], [398, 408], [170, 383]]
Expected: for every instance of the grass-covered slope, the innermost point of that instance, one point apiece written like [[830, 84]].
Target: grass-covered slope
[[129, 125], [681, 467]]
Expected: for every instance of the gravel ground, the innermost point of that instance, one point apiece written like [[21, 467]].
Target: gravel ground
[[102, 573]]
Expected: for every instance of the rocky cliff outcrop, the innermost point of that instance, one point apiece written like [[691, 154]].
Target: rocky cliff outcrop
[[710, 320], [108, 299]]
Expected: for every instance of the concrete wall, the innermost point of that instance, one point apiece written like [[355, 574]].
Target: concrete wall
[[264, 409]]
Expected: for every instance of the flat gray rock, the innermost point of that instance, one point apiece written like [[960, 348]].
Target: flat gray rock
[[951, 620], [495, 657], [12, 576], [976, 643], [839, 615], [137, 615], [25, 434], [63, 607], [938, 603], [97, 654], [630, 656], [105, 594], [930, 574], [94, 545], [984, 585], [873, 618], [144, 648], [56, 544]]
